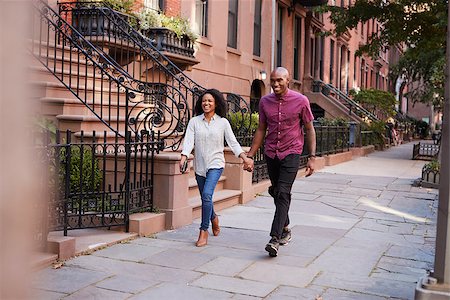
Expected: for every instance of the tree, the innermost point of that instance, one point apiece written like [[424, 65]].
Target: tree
[[420, 25]]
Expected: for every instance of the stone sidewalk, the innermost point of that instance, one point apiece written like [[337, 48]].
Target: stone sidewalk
[[360, 231]]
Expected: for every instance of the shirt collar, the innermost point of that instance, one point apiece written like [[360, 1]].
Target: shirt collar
[[284, 97], [212, 118]]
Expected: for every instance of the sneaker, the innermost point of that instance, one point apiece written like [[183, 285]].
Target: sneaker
[[286, 237], [272, 247]]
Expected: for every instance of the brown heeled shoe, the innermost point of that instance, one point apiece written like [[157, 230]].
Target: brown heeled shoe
[[215, 226], [202, 238]]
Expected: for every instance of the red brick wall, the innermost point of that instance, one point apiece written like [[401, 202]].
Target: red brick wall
[[172, 8]]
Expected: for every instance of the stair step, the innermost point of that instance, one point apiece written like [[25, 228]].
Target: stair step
[[221, 199]]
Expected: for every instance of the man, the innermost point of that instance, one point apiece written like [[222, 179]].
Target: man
[[282, 114]]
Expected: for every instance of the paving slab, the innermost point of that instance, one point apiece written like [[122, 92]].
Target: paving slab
[[225, 266], [180, 291], [67, 279], [178, 259], [124, 252], [278, 274], [336, 294], [367, 285], [235, 285], [46, 295], [92, 292], [145, 271], [293, 293], [126, 284]]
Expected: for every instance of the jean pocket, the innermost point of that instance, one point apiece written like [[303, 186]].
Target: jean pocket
[[291, 162]]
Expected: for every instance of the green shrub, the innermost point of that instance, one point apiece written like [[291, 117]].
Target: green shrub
[[433, 165], [85, 173], [379, 129], [124, 6], [243, 122], [333, 122], [148, 18]]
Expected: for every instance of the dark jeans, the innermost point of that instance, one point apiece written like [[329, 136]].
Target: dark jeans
[[206, 186], [282, 174]]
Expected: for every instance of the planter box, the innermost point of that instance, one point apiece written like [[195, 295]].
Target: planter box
[[430, 179]]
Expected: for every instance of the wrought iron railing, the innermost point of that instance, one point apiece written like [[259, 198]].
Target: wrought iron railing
[[123, 103], [332, 139], [425, 151], [166, 40], [97, 183], [329, 140], [352, 106], [140, 57]]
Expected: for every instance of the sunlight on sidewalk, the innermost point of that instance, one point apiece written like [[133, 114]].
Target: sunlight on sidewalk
[[392, 211]]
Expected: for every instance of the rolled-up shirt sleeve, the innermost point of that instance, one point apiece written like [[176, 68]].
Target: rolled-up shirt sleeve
[[189, 139], [231, 139]]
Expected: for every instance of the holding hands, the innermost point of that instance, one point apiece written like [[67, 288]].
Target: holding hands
[[248, 162]]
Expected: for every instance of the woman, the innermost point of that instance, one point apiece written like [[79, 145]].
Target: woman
[[206, 133]]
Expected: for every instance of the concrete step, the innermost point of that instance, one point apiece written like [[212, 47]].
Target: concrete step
[[53, 106], [86, 92], [41, 73], [222, 199]]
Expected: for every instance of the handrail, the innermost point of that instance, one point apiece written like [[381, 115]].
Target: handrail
[[146, 104], [349, 103], [119, 30]]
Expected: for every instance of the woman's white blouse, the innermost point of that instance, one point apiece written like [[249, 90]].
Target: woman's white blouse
[[207, 140]]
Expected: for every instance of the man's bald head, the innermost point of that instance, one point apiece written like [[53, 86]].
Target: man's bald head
[[280, 72], [279, 81]]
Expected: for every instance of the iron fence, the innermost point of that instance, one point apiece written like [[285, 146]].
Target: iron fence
[[98, 182], [329, 140], [425, 151]]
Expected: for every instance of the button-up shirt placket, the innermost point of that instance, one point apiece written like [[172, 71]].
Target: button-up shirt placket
[[280, 103]]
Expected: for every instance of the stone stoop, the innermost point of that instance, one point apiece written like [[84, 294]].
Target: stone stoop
[[222, 199]]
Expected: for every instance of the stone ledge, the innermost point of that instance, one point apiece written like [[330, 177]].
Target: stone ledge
[[334, 159], [63, 246], [362, 151], [145, 224]]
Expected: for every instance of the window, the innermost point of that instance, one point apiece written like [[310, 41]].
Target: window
[[232, 23], [257, 29], [297, 46], [201, 17], [347, 71], [279, 36], [354, 70], [331, 61], [154, 4], [322, 54], [363, 70]]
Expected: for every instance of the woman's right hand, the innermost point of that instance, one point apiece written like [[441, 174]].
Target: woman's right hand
[[182, 160]]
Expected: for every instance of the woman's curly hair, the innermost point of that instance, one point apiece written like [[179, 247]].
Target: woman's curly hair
[[221, 107]]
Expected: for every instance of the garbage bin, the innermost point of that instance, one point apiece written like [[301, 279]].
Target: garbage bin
[[352, 133]]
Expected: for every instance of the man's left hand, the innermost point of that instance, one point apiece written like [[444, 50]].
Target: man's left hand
[[310, 166]]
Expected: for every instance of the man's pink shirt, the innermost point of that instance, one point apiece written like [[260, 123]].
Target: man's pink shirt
[[284, 116]]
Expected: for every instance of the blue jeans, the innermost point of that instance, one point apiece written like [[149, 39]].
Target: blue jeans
[[206, 186]]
